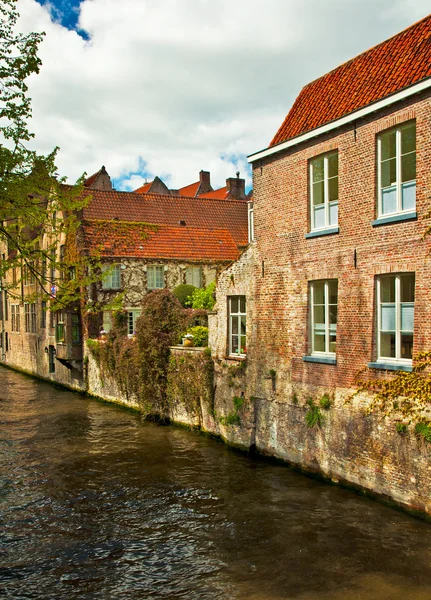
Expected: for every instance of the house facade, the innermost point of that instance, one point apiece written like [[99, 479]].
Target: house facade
[[337, 282]]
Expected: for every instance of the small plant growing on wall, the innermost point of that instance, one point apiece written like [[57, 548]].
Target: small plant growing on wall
[[401, 428], [313, 416], [423, 430], [325, 402]]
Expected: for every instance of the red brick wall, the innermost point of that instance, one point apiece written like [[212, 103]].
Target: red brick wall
[[291, 261]]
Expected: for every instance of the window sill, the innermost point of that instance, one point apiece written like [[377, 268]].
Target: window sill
[[239, 358], [407, 216], [320, 359], [390, 366], [320, 232]]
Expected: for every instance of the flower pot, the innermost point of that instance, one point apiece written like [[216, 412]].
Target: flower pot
[[188, 343]]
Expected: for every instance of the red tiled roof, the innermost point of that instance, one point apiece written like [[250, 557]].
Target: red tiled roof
[[144, 188], [189, 190], [396, 63], [160, 209], [90, 180], [116, 239], [219, 194]]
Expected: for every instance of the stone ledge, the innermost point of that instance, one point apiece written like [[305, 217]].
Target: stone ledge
[[407, 216], [188, 348], [320, 359], [390, 366]]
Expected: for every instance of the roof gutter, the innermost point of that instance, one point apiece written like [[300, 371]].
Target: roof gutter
[[353, 116]]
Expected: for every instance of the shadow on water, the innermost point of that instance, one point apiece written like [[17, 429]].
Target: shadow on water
[[96, 503]]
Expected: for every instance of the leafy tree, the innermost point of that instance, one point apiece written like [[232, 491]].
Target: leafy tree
[[37, 210]]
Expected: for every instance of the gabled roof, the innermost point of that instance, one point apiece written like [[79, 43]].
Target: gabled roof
[[174, 211], [93, 178], [190, 190], [116, 240], [220, 194], [144, 188], [395, 64]]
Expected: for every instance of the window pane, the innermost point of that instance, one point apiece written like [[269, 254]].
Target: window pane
[[389, 173], [389, 201], [318, 169], [319, 217], [332, 292], [332, 343], [407, 288], [242, 304], [408, 167], [318, 193], [234, 324], [333, 213], [319, 317], [387, 289], [388, 145], [406, 345], [387, 345], [243, 347], [333, 188], [234, 339], [243, 325], [407, 317], [234, 304], [319, 343], [408, 191], [333, 311], [319, 292], [408, 139], [388, 319], [333, 164]]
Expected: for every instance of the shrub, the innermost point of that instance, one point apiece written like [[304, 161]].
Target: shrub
[[203, 297], [401, 428], [183, 292], [423, 430], [313, 416], [200, 335]]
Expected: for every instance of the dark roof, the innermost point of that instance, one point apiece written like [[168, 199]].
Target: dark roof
[[395, 64]]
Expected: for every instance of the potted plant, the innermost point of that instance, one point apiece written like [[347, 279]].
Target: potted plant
[[188, 340]]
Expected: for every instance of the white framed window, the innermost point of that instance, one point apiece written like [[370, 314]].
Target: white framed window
[[30, 317], [107, 320], [155, 277], [132, 315], [324, 307], [251, 237], [237, 325], [395, 317], [194, 276], [111, 277], [396, 150], [60, 330], [324, 191]]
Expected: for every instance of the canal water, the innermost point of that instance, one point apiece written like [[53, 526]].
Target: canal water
[[96, 503]]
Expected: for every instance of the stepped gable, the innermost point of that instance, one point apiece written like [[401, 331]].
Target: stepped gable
[[174, 211], [389, 67]]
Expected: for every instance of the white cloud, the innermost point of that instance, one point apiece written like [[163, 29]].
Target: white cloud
[[183, 85]]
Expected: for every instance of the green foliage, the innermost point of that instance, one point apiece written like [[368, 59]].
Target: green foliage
[[203, 297], [238, 402], [401, 428], [94, 347], [37, 212], [325, 402], [399, 392], [200, 335], [183, 292], [295, 399], [190, 380], [272, 373], [233, 418], [423, 430], [313, 416]]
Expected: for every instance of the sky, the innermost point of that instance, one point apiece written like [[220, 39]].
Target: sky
[[170, 87]]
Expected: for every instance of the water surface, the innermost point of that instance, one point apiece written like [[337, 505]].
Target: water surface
[[96, 503]]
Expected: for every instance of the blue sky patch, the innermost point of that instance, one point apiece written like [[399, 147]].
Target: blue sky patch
[[66, 12]]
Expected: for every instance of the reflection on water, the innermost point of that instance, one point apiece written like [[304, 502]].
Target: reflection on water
[[97, 504]]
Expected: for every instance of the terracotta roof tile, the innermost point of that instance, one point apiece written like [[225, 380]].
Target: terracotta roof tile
[[144, 188], [220, 194], [200, 213], [189, 190], [116, 239], [400, 61]]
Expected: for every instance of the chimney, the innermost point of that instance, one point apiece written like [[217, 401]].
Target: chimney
[[236, 188], [205, 183]]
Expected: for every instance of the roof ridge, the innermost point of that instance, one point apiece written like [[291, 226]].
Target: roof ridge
[[153, 195], [371, 48]]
